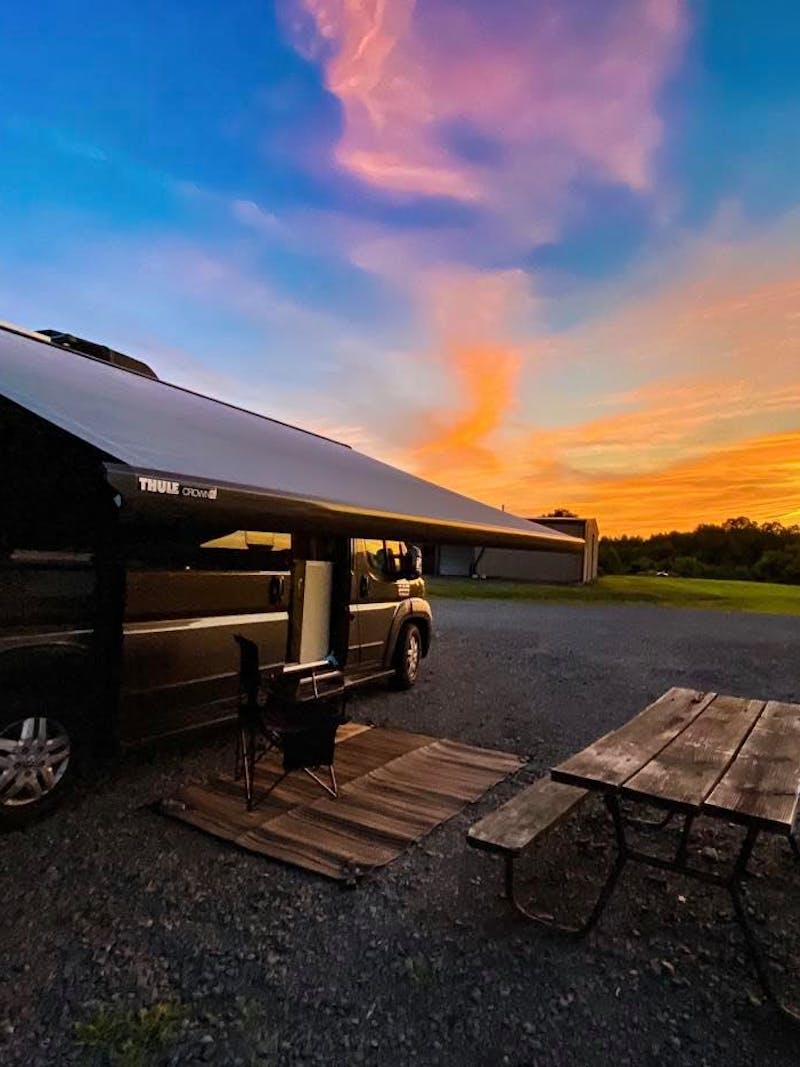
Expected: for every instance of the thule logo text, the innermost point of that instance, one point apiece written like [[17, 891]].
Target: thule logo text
[[168, 488], [159, 485]]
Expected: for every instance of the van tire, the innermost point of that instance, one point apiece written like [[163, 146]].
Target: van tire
[[53, 756], [407, 656]]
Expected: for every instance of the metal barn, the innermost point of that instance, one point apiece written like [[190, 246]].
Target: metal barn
[[453, 560]]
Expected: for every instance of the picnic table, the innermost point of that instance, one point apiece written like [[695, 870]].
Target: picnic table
[[698, 754]]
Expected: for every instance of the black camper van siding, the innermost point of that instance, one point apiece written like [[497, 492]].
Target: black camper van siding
[[179, 660]]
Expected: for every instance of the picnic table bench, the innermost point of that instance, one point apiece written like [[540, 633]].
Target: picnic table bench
[[690, 754], [527, 818]]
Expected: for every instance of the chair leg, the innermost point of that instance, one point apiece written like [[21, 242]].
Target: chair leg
[[274, 785], [333, 788], [238, 759], [248, 742]]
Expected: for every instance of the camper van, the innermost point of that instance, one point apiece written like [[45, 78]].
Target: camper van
[[144, 525], [173, 667], [120, 641]]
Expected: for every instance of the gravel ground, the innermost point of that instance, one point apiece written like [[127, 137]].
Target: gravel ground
[[111, 909]]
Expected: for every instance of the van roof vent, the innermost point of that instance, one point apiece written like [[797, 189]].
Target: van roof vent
[[98, 351]]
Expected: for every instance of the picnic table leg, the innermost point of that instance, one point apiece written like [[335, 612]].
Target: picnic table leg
[[546, 920], [683, 844], [649, 824], [751, 939]]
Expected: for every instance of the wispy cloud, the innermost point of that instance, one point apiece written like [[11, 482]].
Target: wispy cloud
[[56, 138], [250, 214], [436, 102]]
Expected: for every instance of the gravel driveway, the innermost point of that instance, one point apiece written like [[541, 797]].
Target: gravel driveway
[[110, 908]]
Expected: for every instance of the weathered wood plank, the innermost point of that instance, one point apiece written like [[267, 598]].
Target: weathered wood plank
[[350, 729], [761, 785], [689, 767], [617, 756], [527, 816]]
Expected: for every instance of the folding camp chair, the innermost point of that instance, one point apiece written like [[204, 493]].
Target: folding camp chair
[[269, 718]]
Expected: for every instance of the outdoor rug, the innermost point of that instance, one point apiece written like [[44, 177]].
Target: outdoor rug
[[394, 788]]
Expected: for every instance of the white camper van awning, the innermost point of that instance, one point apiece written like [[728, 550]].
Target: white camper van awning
[[178, 457]]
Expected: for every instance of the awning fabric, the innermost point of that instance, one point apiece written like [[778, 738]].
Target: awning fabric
[[175, 456]]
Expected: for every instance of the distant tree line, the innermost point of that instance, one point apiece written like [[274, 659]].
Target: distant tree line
[[739, 548]]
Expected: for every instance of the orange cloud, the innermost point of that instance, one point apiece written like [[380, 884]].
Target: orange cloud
[[469, 313], [759, 478], [688, 400], [729, 315], [670, 421], [485, 379]]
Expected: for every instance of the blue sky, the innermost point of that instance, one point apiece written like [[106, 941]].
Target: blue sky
[[489, 242]]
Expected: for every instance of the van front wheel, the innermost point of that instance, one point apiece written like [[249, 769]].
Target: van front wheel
[[37, 761], [407, 657]]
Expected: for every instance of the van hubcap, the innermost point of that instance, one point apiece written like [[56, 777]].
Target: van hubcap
[[412, 655], [34, 755]]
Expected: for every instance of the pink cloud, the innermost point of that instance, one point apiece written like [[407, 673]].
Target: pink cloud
[[550, 93]]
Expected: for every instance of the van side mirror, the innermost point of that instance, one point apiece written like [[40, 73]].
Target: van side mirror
[[412, 562]]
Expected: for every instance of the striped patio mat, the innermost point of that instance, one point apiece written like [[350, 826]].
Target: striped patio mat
[[394, 788]]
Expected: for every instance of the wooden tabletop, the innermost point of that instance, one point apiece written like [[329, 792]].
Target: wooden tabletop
[[703, 753]]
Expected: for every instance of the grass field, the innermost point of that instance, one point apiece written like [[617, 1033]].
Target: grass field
[[763, 597]]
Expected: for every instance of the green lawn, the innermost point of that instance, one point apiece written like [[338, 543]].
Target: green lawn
[[633, 589]]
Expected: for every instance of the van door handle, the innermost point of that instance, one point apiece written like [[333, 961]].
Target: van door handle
[[363, 585]]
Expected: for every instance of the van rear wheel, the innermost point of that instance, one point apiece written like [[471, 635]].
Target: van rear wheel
[[407, 657]]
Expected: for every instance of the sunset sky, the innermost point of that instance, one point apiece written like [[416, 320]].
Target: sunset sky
[[544, 252]]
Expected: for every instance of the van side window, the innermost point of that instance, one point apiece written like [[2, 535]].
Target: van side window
[[375, 554], [252, 549], [395, 550], [240, 550], [385, 557]]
